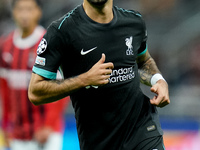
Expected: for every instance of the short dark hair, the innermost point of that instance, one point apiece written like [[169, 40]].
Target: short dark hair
[[39, 3]]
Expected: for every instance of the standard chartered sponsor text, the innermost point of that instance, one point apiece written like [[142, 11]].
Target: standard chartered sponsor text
[[122, 74]]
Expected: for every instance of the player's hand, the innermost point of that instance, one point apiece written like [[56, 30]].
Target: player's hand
[[162, 94], [42, 135], [100, 73]]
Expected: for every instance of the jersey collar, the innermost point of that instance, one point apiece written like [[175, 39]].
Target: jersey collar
[[96, 24]]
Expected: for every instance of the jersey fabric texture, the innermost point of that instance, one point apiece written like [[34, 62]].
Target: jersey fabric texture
[[113, 116], [21, 119]]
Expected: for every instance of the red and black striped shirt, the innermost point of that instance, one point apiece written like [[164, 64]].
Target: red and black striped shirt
[[20, 117]]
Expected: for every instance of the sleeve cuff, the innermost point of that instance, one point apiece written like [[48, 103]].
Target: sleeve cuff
[[143, 52], [44, 73]]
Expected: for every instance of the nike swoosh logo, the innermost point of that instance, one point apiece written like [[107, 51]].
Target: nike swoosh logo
[[88, 51]]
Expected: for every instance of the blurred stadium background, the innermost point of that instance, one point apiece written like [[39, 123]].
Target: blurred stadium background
[[174, 42]]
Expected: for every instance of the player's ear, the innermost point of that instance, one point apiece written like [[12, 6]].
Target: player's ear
[[13, 11], [39, 13]]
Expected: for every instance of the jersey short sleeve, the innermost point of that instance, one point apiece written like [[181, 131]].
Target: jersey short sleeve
[[143, 47], [49, 54]]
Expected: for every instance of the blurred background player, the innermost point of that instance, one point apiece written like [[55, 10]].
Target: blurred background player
[[25, 126]]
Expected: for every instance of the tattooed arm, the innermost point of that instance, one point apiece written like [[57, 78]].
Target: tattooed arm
[[147, 68]]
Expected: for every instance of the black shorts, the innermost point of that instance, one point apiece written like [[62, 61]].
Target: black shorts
[[154, 143]]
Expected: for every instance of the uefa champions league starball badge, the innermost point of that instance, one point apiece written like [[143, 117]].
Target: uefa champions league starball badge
[[42, 46]]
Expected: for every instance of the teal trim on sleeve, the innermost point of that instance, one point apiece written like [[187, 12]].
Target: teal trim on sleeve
[[44, 73], [163, 146], [68, 15], [140, 54]]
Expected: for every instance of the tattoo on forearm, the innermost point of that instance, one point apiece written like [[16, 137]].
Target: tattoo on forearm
[[146, 70]]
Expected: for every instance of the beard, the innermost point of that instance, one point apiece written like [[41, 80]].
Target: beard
[[97, 2]]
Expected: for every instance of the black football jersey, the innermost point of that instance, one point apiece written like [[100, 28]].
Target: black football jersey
[[115, 116]]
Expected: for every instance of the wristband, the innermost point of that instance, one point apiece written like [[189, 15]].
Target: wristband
[[155, 78]]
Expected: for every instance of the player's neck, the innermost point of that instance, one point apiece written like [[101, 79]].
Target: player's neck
[[102, 14], [27, 32]]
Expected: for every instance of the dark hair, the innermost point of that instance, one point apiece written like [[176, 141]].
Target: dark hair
[[39, 3]]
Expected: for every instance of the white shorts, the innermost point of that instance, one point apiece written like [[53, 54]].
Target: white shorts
[[54, 142]]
